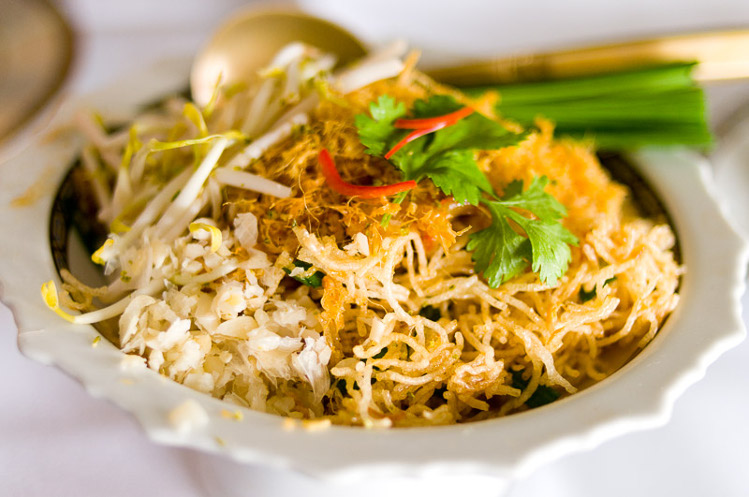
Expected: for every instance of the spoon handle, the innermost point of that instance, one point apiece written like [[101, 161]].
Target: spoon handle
[[721, 55]]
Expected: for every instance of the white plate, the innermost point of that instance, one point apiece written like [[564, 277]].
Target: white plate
[[640, 395]]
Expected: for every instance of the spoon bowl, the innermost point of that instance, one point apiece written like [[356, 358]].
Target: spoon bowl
[[246, 44]]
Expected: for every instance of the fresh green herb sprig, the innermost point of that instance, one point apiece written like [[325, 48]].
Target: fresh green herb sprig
[[314, 280], [542, 396], [431, 313], [446, 157], [586, 295], [500, 253]]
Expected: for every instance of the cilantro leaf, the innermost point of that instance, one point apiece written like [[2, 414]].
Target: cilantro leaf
[[376, 132], [445, 156], [542, 396], [437, 105], [585, 295], [550, 246], [534, 199], [314, 280], [501, 253], [474, 132], [381, 353], [498, 251], [455, 173], [515, 240], [430, 312]]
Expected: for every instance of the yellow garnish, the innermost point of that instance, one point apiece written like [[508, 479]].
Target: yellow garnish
[[220, 441], [315, 424], [272, 72], [235, 88], [96, 256], [117, 226], [193, 114], [98, 119], [96, 341], [158, 146], [326, 93], [49, 294], [211, 105], [133, 140], [288, 424], [176, 131], [236, 415], [133, 145], [216, 237]]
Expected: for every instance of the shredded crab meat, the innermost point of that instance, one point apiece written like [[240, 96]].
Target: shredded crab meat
[[237, 271]]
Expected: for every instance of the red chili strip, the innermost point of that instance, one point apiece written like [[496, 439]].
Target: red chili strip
[[429, 122], [344, 188], [425, 126], [417, 133]]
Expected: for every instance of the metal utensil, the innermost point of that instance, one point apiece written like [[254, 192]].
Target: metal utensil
[[721, 55], [249, 40]]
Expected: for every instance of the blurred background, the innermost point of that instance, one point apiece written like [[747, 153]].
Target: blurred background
[[57, 440]]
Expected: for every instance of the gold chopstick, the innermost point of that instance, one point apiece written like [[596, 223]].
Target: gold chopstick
[[722, 55]]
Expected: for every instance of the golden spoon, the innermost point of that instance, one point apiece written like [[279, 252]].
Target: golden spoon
[[248, 41]]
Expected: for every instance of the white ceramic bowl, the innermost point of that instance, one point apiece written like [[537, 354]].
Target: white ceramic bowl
[[641, 395]]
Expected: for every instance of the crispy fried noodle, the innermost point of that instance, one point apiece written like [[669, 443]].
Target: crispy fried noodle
[[241, 268]]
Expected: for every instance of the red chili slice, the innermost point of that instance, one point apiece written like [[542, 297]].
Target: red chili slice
[[417, 133], [344, 188], [428, 122], [425, 126]]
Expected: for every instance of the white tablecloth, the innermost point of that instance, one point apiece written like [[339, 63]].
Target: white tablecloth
[[55, 440]]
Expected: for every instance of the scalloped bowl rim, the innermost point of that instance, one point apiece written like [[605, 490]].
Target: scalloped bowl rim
[[641, 395]]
